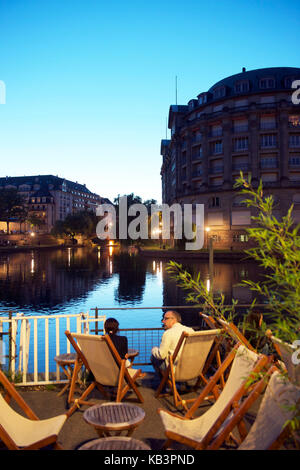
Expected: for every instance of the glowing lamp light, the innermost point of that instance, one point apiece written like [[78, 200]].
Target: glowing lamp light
[[32, 234], [207, 229]]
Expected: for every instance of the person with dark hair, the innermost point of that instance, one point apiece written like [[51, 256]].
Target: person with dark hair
[[173, 330], [111, 327]]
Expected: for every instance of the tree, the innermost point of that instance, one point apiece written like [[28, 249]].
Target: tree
[[80, 223], [277, 249], [35, 221], [12, 205]]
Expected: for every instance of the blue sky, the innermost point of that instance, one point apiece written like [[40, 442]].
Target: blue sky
[[89, 82]]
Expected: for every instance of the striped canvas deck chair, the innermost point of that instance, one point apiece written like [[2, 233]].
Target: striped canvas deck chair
[[190, 360], [19, 432], [269, 430], [199, 432], [100, 357]]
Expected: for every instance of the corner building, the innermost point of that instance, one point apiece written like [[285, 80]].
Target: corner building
[[246, 122]]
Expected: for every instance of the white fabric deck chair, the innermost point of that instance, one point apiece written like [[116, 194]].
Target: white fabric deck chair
[[268, 431], [100, 357], [19, 432], [188, 361], [290, 357], [199, 432]]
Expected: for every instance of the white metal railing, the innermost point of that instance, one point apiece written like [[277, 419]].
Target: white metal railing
[[21, 337]]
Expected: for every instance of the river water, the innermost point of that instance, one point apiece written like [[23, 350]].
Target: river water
[[74, 280]]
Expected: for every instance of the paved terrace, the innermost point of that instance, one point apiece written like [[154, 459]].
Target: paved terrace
[[76, 431]]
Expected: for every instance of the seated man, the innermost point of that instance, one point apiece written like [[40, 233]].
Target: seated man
[[173, 330]]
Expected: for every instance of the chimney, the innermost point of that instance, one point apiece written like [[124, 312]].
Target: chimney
[[244, 69]]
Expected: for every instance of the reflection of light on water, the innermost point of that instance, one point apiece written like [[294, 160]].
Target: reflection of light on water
[[110, 250], [154, 266], [110, 267], [69, 257], [159, 272], [32, 265]]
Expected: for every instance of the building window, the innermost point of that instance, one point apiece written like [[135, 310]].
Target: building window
[[294, 161], [240, 125], [268, 122], [216, 130], [294, 120], [288, 82], [266, 83], [240, 143], [219, 92], [242, 238], [214, 202], [269, 162], [217, 147], [294, 140], [202, 99], [241, 86], [268, 140]]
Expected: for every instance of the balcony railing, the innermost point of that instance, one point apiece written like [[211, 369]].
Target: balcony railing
[[241, 128], [268, 126], [197, 156], [197, 173], [294, 163], [268, 164], [216, 133]]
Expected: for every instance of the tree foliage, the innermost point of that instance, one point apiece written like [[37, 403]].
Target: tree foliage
[[80, 223], [277, 249], [12, 206]]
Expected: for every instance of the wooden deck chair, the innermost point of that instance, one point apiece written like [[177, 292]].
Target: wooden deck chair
[[235, 333], [268, 432], [199, 432], [100, 357], [289, 356], [190, 360], [19, 432]]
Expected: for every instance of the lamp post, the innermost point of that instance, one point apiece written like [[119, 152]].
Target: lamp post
[[210, 247]]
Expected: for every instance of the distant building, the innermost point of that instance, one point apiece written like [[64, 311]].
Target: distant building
[[244, 122], [51, 198]]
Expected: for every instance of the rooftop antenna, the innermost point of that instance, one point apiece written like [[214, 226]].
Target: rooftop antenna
[[176, 89]]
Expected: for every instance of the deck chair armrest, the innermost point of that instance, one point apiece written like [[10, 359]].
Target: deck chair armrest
[[183, 418]]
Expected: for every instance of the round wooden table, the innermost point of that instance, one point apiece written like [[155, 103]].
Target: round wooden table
[[66, 362], [115, 443], [112, 417], [132, 353]]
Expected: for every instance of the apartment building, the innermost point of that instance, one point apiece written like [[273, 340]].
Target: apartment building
[[247, 122], [51, 198]]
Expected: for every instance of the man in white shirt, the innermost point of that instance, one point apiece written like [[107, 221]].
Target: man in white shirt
[[173, 330]]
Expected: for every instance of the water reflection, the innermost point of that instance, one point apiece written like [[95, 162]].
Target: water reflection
[[71, 280]]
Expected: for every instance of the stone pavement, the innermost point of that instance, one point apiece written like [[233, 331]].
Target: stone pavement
[[76, 431]]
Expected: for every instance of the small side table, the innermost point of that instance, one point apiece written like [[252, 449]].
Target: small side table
[[66, 362], [131, 354], [114, 417], [115, 443]]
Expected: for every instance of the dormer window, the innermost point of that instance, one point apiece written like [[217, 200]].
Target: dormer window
[[219, 92], [288, 82], [242, 86], [266, 83], [202, 99]]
